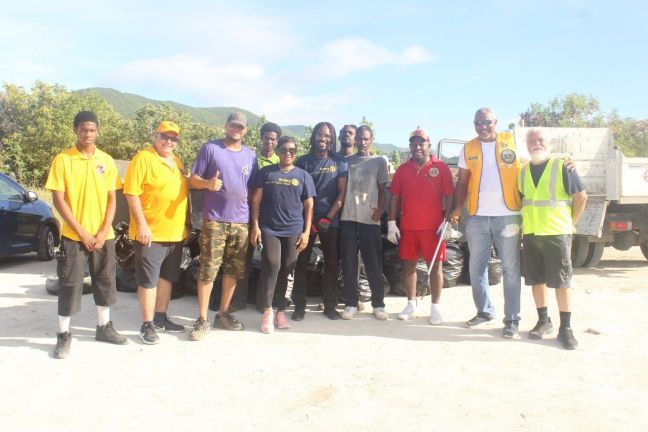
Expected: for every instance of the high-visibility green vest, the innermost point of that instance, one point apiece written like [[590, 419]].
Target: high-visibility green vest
[[546, 209]]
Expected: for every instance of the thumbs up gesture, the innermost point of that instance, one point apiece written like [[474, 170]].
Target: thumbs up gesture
[[215, 184]]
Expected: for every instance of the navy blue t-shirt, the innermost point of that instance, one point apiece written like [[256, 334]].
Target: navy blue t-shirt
[[325, 173], [282, 205]]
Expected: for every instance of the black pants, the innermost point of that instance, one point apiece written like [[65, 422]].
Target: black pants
[[278, 260], [356, 236], [102, 266], [329, 241]]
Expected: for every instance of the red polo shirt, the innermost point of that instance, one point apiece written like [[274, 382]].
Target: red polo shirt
[[421, 190]]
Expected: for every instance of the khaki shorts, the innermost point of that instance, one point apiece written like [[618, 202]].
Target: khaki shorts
[[223, 243]]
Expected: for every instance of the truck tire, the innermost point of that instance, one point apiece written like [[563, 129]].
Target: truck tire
[[580, 248], [594, 255], [644, 249]]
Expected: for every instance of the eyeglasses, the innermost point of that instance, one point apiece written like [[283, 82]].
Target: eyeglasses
[[284, 150], [484, 122], [165, 137]]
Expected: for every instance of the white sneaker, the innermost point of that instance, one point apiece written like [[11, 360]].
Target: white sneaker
[[349, 312], [435, 315], [380, 313], [408, 313]]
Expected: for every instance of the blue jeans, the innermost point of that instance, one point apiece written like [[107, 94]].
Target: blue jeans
[[354, 236], [482, 233]]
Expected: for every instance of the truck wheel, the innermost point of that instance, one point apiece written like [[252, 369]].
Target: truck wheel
[[644, 249], [580, 248], [594, 255]]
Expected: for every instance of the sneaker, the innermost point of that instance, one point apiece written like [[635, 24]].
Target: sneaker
[[349, 312], [408, 312], [228, 322], [107, 333], [148, 335], [63, 342], [298, 314], [435, 315], [361, 306], [281, 320], [380, 313], [478, 319], [164, 323], [510, 330], [267, 326], [199, 330], [541, 328], [331, 313], [566, 338]]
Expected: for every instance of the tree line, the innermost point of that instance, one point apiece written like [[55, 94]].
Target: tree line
[[35, 125]]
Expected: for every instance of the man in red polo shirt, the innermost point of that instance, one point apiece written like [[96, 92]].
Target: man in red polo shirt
[[422, 188]]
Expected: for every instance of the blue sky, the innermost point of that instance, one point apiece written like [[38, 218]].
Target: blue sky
[[400, 64]]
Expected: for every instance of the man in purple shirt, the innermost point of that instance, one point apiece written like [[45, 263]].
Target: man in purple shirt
[[223, 169]]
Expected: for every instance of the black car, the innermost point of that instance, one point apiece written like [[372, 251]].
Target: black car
[[26, 224]]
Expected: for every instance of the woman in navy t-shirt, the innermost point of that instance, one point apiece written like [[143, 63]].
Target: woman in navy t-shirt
[[282, 211]]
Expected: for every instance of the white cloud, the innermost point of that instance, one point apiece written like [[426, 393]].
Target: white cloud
[[345, 56]]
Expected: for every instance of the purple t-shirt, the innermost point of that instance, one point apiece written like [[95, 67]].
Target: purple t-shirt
[[230, 204]]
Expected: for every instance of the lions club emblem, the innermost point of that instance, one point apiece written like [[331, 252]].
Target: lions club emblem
[[434, 171], [245, 169], [508, 156], [294, 182]]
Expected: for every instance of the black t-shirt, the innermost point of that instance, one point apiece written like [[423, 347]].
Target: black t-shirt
[[571, 179]]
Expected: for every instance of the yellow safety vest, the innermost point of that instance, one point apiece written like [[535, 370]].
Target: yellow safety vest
[[508, 164], [546, 209]]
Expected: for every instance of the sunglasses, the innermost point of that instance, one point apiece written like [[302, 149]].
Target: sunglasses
[[165, 137], [284, 150], [484, 122]]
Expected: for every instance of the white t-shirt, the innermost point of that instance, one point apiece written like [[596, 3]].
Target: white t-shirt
[[491, 198]]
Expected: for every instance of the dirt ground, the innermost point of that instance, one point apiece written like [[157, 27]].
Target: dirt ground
[[323, 375]]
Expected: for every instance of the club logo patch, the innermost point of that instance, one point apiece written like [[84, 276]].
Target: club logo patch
[[434, 171], [100, 169], [294, 182], [245, 169], [508, 156]]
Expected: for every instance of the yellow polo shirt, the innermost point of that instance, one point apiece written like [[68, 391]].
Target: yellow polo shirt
[[162, 191], [86, 182]]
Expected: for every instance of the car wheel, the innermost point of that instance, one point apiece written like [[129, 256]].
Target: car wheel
[[644, 249], [53, 286], [46, 244]]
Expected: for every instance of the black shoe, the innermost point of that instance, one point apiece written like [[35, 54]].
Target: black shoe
[[332, 314], [298, 314], [478, 319], [148, 335], [510, 330], [164, 323], [63, 342], [107, 333], [541, 328], [566, 338]]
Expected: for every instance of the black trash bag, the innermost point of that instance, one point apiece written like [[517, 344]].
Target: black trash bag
[[126, 281], [454, 264], [393, 268], [314, 272], [494, 267], [190, 279]]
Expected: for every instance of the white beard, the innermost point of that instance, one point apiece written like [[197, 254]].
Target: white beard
[[539, 156]]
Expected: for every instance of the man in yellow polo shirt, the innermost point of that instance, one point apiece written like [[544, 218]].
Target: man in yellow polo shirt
[[83, 180], [155, 186]]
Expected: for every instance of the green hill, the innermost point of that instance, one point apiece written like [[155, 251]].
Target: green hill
[[127, 104]]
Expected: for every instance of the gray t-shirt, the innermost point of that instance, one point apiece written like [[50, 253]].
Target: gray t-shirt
[[365, 174]]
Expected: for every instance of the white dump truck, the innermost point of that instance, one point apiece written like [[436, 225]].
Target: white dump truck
[[616, 213]]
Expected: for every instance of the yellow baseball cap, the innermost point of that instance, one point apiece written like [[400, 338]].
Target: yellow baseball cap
[[168, 126]]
